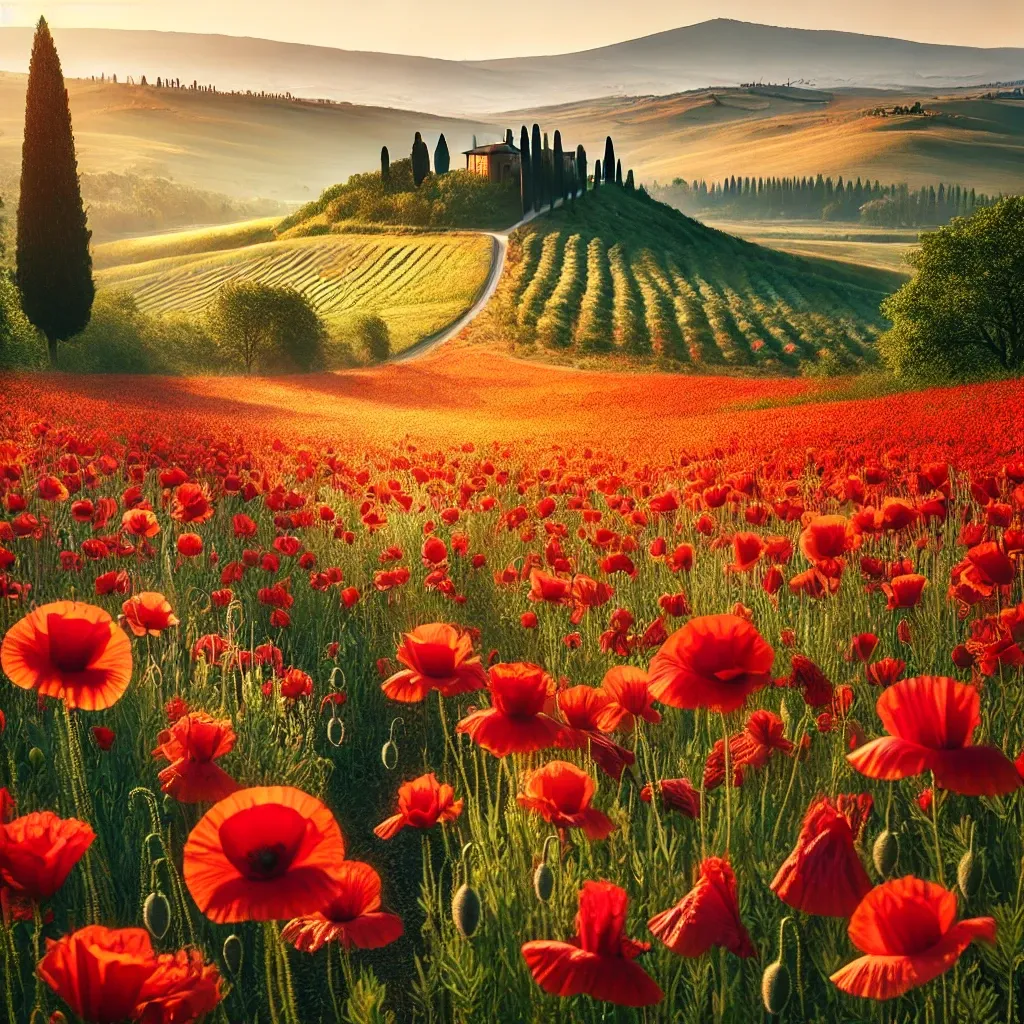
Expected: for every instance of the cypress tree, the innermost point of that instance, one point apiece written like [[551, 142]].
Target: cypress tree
[[559, 189], [525, 171], [618, 173], [420, 160], [509, 138], [385, 165], [609, 160], [581, 169], [597, 175], [442, 159], [536, 167], [630, 186], [54, 267]]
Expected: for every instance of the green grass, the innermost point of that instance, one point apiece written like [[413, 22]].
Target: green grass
[[419, 284], [635, 280]]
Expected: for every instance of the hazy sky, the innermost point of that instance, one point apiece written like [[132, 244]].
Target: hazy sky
[[469, 29]]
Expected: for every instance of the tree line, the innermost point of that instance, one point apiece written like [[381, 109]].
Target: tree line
[[821, 198]]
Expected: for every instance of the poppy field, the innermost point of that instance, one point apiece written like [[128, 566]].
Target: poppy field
[[328, 709]]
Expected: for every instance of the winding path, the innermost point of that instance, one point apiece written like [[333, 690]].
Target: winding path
[[500, 249]]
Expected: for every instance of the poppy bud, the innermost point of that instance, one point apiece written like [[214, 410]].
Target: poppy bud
[[466, 910], [885, 852], [36, 758], [775, 987], [389, 754], [336, 732], [156, 914], [232, 953], [969, 873], [543, 882]]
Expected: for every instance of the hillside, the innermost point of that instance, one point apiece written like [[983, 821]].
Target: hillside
[[717, 52], [621, 279], [419, 284], [242, 146], [712, 134]]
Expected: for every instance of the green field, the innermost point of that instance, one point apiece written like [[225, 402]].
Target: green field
[[620, 277], [418, 283]]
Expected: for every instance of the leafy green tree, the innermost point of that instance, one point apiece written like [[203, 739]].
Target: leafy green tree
[[525, 171], [54, 267], [266, 328], [385, 164], [442, 159], [420, 160], [374, 338], [963, 311]]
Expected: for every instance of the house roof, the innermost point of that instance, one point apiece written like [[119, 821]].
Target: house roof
[[494, 147]]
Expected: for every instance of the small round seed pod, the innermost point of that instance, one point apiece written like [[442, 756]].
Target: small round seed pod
[[543, 876], [885, 852], [969, 873], [156, 914], [389, 752], [36, 758], [776, 987], [232, 954]]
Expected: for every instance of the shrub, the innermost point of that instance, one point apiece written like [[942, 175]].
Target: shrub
[[21, 345], [263, 328], [374, 338]]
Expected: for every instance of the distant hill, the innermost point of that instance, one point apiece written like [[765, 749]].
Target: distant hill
[[718, 52], [620, 279], [965, 138]]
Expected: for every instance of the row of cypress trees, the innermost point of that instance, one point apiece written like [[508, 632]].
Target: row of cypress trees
[[420, 159]]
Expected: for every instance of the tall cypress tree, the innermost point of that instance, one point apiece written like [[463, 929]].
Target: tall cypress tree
[[618, 172], [54, 267], [385, 164], [609, 160], [420, 160], [537, 168], [581, 169], [442, 158], [558, 191], [525, 171], [597, 175]]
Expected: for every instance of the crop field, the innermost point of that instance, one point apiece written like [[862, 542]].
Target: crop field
[[417, 283], [619, 277], [338, 719]]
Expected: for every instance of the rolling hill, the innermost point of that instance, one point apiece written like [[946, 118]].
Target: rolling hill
[[717, 52], [711, 134], [621, 279], [419, 284]]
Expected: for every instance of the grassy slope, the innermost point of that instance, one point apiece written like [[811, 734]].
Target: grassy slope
[[971, 140], [623, 280], [183, 243], [417, 283], [237, 145]]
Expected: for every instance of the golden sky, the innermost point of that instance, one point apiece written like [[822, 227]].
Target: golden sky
[[467, 29]]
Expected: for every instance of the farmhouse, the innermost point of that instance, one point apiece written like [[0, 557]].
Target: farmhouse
[[497, 162]]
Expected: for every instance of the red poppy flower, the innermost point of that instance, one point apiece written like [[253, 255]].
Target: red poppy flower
[[182, 988], [824, 874], [600, 960], [826, 539], [100, 972], [629, 698], [676, 795], [904, 591], [104, 737], [190, 545], [140, 522], [580, 707], [886, 671], [7, 804], [148, 613], [909, 933], [552, 589], [263, 854], [931, 721], [515, 723], [295, 683], [437, 657], [192, 744], [72, 651], [862, 647], [38, 851], [714, 661], [561, 793], [708, 915], [191, 504], [352, 918], [422, 803], [747, 550]]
